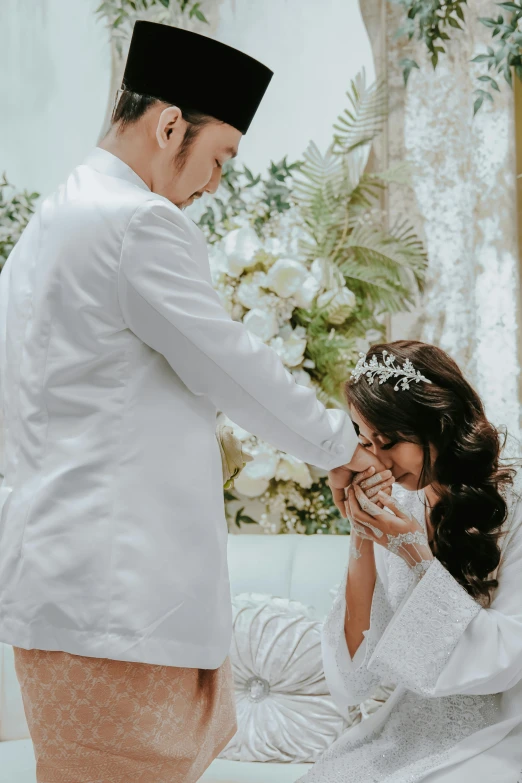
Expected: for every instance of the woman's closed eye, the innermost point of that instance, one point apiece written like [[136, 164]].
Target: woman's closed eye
[[390, 445], [383, 446]]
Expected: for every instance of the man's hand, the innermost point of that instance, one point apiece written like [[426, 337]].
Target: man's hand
[[340, 478]]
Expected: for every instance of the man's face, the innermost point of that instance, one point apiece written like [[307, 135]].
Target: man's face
[[184, 175]]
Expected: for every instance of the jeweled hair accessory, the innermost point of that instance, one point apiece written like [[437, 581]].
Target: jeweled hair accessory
[[373, 369]]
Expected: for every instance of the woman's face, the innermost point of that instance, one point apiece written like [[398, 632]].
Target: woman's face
[[405, 460]]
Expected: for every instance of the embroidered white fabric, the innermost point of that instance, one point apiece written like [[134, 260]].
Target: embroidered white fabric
[[420, 731]]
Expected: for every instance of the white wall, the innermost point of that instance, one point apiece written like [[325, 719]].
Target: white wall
[[53, 88], [56, 75], [314, 47]]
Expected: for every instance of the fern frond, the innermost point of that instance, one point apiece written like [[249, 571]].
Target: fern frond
[[318, 173], [364, 120]]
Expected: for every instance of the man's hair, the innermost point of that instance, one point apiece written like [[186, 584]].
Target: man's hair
[[132, 106]]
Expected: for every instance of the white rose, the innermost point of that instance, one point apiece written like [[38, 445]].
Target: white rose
[[302, 377], [217, 259], [318, 270], [250, 487], [274, 246], [262, 323], [241, 246], [292, 469], [291, 350], [237, 312], [264, 462], [286, 276], [250, 293], [305, 295]]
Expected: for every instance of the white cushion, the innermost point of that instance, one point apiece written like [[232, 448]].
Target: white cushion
[[17, 763], [221, 771], [304, 568], [284, 710]]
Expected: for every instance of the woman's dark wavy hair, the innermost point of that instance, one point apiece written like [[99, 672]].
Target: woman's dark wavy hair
[[466, 472]]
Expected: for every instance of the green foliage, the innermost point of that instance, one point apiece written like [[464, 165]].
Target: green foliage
[[273, 195], [434, 22], [120, 14], [338, 202], [16, 208], [322, 515], [365, 117], [120, 11]]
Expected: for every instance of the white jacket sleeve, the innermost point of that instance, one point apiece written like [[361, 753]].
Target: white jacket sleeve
[[170, 306], [349, 679], [442, 642]]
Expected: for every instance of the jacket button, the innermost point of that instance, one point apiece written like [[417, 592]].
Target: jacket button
[[327, 444], [340, 449]]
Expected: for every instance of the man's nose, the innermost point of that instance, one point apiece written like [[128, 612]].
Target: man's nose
[[213, 183], [384, 457]]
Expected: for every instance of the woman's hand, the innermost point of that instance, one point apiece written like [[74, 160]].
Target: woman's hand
[[340, 478], [392, 527], [372, 483]]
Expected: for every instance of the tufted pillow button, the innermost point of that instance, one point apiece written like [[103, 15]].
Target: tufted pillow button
[[257, 689]]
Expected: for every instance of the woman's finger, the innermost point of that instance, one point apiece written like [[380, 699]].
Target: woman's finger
[[386, 486], [359, 514], [397, 509], [369, 513], [367, 505], [366, 474]]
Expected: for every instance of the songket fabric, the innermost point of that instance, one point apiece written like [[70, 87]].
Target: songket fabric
[[455, 713], [96, 720]]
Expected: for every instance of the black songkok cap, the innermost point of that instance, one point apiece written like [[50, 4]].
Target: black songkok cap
[[195, 72]]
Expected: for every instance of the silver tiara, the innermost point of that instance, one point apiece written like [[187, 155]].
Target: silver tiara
[[373, 369]]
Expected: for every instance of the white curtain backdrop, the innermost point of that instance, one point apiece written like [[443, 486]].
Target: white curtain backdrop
[[464, 194]]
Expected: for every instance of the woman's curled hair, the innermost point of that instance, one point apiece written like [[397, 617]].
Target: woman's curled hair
[[466, 472]]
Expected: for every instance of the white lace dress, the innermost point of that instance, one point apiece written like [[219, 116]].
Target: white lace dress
[[455, 714]]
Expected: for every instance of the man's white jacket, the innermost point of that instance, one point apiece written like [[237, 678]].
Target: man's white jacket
[[115, 356]]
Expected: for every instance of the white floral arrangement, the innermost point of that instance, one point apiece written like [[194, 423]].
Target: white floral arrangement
[[302, 258], [261, 284]]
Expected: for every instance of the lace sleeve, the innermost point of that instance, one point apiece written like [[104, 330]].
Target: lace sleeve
[[424, 632], [349, 680]]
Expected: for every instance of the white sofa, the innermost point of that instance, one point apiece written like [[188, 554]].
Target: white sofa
[[304, 568]]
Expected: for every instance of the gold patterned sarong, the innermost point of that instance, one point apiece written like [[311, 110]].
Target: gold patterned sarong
[[96, 720]]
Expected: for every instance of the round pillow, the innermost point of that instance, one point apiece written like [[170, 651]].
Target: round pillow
[[284, 710]]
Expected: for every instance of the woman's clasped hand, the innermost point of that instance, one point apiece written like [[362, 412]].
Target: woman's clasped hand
[[377, 517]]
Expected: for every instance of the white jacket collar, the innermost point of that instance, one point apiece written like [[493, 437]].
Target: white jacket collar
[[106, 163]]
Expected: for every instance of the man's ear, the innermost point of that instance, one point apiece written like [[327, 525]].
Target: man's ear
[[169, 121]]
